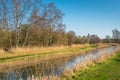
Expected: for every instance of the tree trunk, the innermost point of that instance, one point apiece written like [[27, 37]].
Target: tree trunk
[[26, 37]]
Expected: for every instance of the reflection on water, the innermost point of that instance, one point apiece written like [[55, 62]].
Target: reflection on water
[[55, 67]]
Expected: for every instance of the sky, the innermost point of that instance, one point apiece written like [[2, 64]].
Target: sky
[[90, 16]]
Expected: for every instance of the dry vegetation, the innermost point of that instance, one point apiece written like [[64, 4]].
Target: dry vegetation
[[31, 55]]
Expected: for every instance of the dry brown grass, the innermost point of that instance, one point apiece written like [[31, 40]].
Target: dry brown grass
[[44, 49], [2, 51], [67, 72], [36, 50]]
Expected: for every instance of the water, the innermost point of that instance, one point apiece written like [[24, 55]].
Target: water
[[55, 67]]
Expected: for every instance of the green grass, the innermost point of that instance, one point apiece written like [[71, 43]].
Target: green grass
[[109, 70]]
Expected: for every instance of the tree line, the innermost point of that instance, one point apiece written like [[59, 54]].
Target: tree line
[[35, 23]]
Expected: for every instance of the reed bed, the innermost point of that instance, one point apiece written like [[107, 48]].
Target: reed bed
[[44, 50], [40, 49], [32, 50]]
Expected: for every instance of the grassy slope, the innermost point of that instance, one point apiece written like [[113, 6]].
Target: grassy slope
[[109, 70]]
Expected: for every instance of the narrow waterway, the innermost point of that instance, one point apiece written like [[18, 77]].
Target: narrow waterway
[[55, 67]]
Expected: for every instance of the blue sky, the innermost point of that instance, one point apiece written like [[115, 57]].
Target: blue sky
[[90, 16]]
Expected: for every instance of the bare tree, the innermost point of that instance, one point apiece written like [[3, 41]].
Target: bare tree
[[116, 35], [54, 20], [49, 20], [33, 16], [71, 37], [4, 18], [18, 10], [30, 26]]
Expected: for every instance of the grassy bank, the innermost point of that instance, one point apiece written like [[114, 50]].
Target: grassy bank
[[31, 55], [108, 70]]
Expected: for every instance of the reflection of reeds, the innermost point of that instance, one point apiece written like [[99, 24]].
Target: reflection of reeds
[[40, 71], [46, 78]]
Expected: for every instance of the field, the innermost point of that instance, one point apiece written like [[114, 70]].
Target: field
[[108, 70]]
